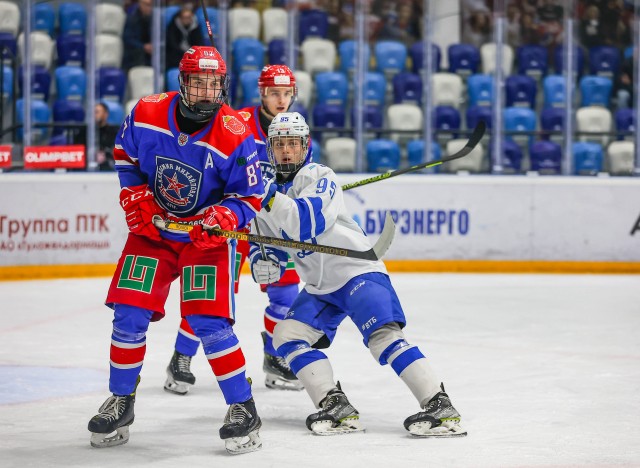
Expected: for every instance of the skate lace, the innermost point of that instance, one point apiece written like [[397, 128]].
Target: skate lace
[[282, 363], [184, 363], [113, 408], [237, 413]]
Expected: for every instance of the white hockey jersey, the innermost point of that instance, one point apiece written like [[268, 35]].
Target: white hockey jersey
[[313, 210]]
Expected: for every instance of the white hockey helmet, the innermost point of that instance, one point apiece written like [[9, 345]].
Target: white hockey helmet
[[287, 125]]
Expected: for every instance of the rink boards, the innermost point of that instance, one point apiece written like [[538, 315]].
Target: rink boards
[[71, 224]]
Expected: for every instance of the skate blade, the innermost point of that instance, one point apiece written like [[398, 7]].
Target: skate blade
[[240, 445], [275, 382], [120, 437], [178, 388], [448, 428], [346, 426]]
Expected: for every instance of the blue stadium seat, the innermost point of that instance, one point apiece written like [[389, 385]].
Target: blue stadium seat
[[373, 118], [558, 59], [391, 57], [604, 61], [44, 18], [511, 156], [416, 52], [249, 87], [332, 88], [7, 82], [595, 90], [407, 88], [476, 114], [40, 82], [298, 107], [72, 50], [8, 47], [111, 84], [464, 59], [65, 111], [313, 23], [72, 18], [625, 122], [588, 158], [519, 119], [116, 112], [533, 60], [347, 53], [40, 113], [552, 119], [277, 52], [415, 149], [327, 115], [248, 54], [628, 52], [521, 91], [383, 155], [480, 89], [554, 90], [375, 89], [169, 12], [546, 157], [71, 82], [173, 83], [447, 118], [212, 13]]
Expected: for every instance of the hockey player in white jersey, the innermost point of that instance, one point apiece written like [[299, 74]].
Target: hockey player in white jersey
[[305, 203]]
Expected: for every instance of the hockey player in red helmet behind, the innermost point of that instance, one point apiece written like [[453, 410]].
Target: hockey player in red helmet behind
[[278, 91], [185, 156]]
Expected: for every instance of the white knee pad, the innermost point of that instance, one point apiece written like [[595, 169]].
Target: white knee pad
[[293, 330], [384, 337]]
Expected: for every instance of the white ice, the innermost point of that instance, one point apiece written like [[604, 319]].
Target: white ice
[[545, 370]]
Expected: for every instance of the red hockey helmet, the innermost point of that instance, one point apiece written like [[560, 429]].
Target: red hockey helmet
[[278, 76], [196, 60]]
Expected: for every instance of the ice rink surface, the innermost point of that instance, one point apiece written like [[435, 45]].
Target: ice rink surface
[[545, 370]]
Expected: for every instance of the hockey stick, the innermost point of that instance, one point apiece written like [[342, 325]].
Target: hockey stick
[[475, 138], [375, 253], [206, 22]]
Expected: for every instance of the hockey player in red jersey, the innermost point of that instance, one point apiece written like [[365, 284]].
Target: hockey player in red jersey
[[277, 86], [185, 155]]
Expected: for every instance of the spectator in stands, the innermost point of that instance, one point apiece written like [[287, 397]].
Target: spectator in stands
[[106, 138], [591, 33], [479, 30], [529, 30], [137, 36], [514, 30], [400, 23], [183, 32]]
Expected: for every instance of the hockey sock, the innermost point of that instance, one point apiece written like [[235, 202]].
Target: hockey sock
[[280, 300], [223, 351], [128, 346], [186, 342]]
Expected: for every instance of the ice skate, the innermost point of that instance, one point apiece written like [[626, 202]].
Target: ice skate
[[240, 428], [278, 374], [439, 419], [110, 427], [336, 416], [179, 376]]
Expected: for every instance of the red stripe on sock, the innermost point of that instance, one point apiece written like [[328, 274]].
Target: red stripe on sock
[[184, 325], [269, 324], [124, 356], [227, 363]]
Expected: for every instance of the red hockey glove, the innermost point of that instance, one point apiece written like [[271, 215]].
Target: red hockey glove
[[140, 206], [216, 216]]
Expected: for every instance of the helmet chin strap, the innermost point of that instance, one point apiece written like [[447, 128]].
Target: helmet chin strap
[[191, 115]]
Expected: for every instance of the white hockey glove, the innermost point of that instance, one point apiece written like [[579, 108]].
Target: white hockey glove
[[270, 270]]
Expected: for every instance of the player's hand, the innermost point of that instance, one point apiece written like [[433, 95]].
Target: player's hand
[[216, 216], [270, 270], [140, 207], [270, 189]]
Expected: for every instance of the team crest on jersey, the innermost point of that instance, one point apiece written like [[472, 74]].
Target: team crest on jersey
[[177, 185], [182, 139], [232, 124], [245, 115], [155, 97]]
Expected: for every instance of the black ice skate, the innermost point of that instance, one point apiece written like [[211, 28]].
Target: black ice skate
[[240, 428], [439, 419], [336, 415], [278, 374], [110, 427], [179, 376]]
